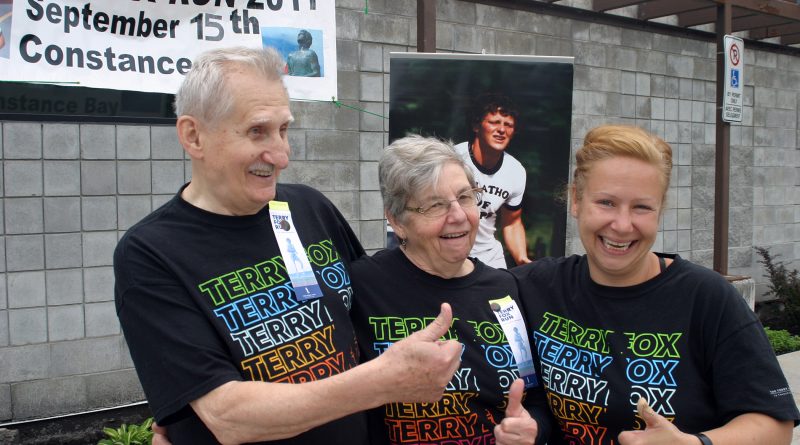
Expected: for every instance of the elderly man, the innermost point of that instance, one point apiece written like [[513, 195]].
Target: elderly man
[[230, 346]]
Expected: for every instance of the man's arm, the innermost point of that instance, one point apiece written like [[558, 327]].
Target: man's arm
[[514, 234], [416, 369]]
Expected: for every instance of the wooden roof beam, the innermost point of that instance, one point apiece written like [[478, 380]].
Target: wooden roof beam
[[774, 31], [653, 10], [705, 16], [757, 21], [607, 5], [780, 8]]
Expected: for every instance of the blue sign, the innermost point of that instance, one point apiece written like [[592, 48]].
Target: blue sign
[[734, 78]]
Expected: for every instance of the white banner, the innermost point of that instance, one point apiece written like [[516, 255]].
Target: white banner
[[148, 45]]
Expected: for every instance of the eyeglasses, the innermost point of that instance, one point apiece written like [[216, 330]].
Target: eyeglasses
[[439, 207]]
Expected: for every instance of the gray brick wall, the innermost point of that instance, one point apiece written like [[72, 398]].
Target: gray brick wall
[[70, 190]]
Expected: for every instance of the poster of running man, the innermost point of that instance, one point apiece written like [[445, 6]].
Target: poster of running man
[[509, 118]]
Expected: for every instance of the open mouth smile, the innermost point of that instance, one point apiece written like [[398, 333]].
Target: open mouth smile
[[617, 246]]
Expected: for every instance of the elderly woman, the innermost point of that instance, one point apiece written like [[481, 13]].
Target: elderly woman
[[622, 327], [430, 199]]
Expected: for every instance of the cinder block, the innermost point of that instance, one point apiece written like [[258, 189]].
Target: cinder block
[[132, 209], [98, 248], [27, 326], [24, 252], [371, 87], [386, 29], [489, 16], [371, 145], [313, 174], [61, 141], [23, 178], [623, 58], [101, 319], [22, 140], [65, 322], [657, 85], [370, 57], [4, 328], [62, 178], [134, 177], [97, 141], [643, 107], [672, 88], [5, 403], [99, 213], [346, 202], [371, 205], [686, 89], [64, 286], [48, 397], [62, 214], [642, 84], [332, 146], [346, 176], [470, 39], [369, 176], [164, 143], [684, 197], [133, 142], [347, 55], [348, 85], [24, 363], [348, 23], [373, 234], [85, 356], [608, 35], [24, 215], [657, 108], [297, 146], [113, 388], [62, 250], [26, 289], [346, 119], [653, 62], [590, 54], [98, 178], [99, 284]]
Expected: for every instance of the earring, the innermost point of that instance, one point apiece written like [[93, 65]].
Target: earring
[[403, 242]]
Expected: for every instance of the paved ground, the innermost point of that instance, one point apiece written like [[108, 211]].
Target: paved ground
[[791, 368]]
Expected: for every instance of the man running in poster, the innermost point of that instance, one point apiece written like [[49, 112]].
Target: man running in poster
[[492, 124]]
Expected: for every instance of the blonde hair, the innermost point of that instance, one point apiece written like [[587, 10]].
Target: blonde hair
[[610, 141]]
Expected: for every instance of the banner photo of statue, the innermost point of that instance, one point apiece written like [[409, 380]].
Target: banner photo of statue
[[149, 46], [509, 118]]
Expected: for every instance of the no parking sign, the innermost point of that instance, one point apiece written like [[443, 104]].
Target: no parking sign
[[734, 79]]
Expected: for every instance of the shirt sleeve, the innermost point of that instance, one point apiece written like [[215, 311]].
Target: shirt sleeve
[[177, 352], [745, 374]]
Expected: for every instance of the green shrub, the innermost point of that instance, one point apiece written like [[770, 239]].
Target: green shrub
[[782, 341], [129, 434], [785, 286]]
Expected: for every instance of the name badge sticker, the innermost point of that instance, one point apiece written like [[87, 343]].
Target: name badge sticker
[[510, 319], [293, 252]]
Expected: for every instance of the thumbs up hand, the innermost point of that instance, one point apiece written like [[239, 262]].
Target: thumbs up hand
[[658, 430], [518, 427], [417, 368]]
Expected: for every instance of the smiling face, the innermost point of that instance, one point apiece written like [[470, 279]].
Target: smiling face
[[618, 214], [440, 246], [495, 131], [242, 154]]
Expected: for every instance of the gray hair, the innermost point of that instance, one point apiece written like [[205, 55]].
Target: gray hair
[[411, 165], [205, 92]]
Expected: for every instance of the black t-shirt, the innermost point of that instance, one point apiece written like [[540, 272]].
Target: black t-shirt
[[685, 340], [205, 299], [392, 299]]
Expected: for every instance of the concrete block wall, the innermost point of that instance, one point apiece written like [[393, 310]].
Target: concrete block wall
[[70, 190]]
